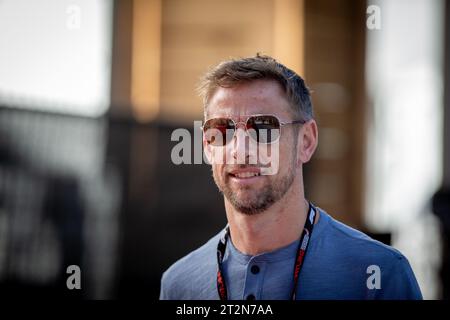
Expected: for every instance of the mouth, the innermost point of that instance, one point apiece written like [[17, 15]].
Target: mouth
[[245, 176]]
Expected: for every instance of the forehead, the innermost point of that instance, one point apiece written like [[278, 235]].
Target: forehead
[[255, 97]]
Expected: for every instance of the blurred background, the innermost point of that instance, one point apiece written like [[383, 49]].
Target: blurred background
[[91, 91]]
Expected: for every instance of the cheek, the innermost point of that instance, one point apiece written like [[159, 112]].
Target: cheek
[[288, 155], [219, 155], [218, 171]]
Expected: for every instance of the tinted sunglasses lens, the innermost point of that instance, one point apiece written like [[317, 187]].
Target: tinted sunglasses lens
[[264, 129], [218, 131]]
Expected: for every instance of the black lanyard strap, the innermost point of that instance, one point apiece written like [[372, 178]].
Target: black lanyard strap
[[299, 258]]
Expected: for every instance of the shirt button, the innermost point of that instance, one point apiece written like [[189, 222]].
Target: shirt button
[[250, 297], [254, 269]]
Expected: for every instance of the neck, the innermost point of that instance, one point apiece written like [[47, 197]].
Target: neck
[[278, 226]]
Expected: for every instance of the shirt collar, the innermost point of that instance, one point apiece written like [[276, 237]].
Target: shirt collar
[[284, 253]]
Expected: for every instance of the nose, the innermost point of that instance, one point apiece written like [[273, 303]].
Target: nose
[[241, 146]]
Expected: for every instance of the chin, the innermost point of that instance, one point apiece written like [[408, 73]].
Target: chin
[[250, 209], [249, 205]]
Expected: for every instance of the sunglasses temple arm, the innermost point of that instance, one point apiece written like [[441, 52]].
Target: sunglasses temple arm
[[293, 122]]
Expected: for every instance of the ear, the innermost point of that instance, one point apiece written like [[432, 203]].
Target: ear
[[308, 136]]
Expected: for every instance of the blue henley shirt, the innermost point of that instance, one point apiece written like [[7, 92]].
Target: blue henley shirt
[[341, 263]]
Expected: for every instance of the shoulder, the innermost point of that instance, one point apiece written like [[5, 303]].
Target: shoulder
[[350, 241], [197, 267], [358, 254]]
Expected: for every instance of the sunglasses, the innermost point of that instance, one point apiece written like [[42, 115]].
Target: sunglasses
[[261, 128]]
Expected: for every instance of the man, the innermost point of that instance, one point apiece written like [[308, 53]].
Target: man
[[277, 245]]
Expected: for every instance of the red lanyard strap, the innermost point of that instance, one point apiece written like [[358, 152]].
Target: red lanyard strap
[[301, 252]]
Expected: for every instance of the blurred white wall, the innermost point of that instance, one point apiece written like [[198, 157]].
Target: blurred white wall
[[55, 55], [404, 149]]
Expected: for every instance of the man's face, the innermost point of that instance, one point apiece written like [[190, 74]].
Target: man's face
[[246, 192]]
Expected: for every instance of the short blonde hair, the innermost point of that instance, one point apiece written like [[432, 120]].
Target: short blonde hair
[[235, 71]]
